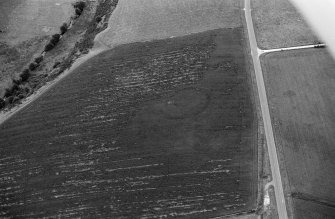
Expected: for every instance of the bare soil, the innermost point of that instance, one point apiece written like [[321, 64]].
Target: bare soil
[[300, 86], [159, 129]]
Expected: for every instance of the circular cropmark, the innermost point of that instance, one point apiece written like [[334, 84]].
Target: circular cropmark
[[185, 103]]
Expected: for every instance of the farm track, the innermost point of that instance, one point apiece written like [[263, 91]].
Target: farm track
[[264, 51], [155, 129]]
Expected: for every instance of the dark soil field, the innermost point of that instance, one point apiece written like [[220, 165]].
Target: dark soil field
[[148, 130], [301, 87], [313, 210]]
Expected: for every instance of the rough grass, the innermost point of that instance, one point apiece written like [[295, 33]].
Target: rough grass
[[77, 40], [31, 19], [91, 29], [106, 9], [148, 129], [301, 86], [14, 59], [26, 26], [278, 24]]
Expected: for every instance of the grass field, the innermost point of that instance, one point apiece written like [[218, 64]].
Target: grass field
[[311, 210], [24, 20], [25, 29], [278, 24], [301, 86], [159, 129], [136, 20]]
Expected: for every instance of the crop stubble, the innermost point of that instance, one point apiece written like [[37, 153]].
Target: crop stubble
[[165, 128], [137, 21], [278, 24], [26, 20], [300, 86]]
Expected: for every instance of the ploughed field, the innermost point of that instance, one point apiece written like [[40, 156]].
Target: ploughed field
[[301, 86], [151, 130]]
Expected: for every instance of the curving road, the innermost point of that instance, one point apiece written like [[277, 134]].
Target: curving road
[[276, 177]]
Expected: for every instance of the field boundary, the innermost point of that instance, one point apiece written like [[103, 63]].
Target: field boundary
[[5, 115], [275, 168], [311, 198], [97, 48], [279, 144], [260, 138]]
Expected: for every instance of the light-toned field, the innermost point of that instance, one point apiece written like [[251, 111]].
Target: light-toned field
[[138, 20], [278, 24], [301, 87], [24, 20], [25, 29]]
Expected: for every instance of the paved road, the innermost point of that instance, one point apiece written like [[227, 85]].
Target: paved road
[[277, 182]]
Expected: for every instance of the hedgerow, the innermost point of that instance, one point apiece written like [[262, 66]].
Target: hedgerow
[[32, 66], [55, 39], [79, 5], [39, 59], [2, 103], [63, 28], [49, 47], [25, 75]]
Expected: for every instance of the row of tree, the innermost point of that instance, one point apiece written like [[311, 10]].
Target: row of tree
[[18, 91]]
